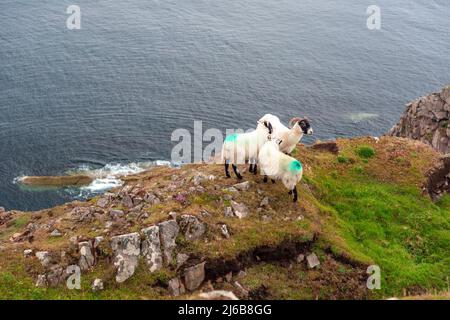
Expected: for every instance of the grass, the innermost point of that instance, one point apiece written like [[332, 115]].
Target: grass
[[365, 152], [403, 232]]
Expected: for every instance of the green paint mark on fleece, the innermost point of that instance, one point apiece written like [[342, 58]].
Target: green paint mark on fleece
[[295, 165], [231, 138]]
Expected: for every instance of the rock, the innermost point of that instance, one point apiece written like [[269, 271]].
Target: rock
[[175, 287], [194, 276], [229, 276], [239, 209], [173, 215], [217, 295], [300, 258], [57, 181], [168, 231], [192, 227], [224, 231], [126, 250], [87, 259], [41, 281], [97, 241], [97, 285], [313, 260], [27, 253], [56, 233], [438, 178], [116, 214], [181, 259], [44, 258], [232, 189], [427, 119], [55, 276], [127, 201], [241, 290], [198, 179], [228, 212], [264, 202], [241, 274], [328, 146], [151, 198], [151, 248], [243, 186], [102, 202]]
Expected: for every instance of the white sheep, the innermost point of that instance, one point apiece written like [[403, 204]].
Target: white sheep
[[280, 166], [241, 147], [289, 136]]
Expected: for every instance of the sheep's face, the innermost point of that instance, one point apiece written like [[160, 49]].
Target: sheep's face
[[305, 126]]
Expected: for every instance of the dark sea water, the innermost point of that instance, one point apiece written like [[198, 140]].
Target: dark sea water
[[113, 92]]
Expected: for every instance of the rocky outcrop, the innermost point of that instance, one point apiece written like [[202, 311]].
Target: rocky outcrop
[[438, 182], [126, 249], [57, 181], [427, 119]]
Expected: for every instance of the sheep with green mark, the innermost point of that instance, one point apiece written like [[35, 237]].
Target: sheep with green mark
[[238, 148], [279, 166]]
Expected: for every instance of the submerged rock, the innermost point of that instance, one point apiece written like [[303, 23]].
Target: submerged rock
[[126, 250], [57, 181]]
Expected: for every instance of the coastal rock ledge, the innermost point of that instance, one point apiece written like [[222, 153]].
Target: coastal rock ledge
[[427, 119]]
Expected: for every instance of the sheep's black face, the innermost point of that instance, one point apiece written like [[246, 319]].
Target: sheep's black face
[[268, 126], [306, 127]]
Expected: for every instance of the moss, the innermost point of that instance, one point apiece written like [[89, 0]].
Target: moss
[[342, 159]]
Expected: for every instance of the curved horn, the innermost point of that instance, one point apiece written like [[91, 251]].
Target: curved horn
[[293, 121]]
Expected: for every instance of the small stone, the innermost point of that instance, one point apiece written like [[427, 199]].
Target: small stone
[[300, 217], [229, 276], [97, 241], [127, 201], [41, 281], [27, 253], [243, 186], [97, 285], [264, 202], [300, 258], [56, 233], [228, 212], [224, 231], [194, 276], [175, 287], [192, 227], [116, 214], [55, 275], [241, 274], [181, 259], [102, 202], [313, 260], [43, 257], [240, 210], [173, 215], [232, 189], [241, 290]]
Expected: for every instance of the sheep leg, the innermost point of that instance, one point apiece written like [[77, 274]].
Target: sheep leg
[[255, 169], [265, 179], [273, 181], [227, 171], [294, 191], [251, 168], [238, 175]]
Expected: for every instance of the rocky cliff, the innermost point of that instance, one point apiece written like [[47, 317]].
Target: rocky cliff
[[427, 119], [179, 233]]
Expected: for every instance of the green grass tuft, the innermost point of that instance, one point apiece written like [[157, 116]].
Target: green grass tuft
[[365, 152]]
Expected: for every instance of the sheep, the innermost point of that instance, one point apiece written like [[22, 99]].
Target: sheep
[[280, 166], [289, 136], [240, 147]]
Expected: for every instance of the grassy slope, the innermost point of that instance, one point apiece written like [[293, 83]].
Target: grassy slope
[[365, 207]]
